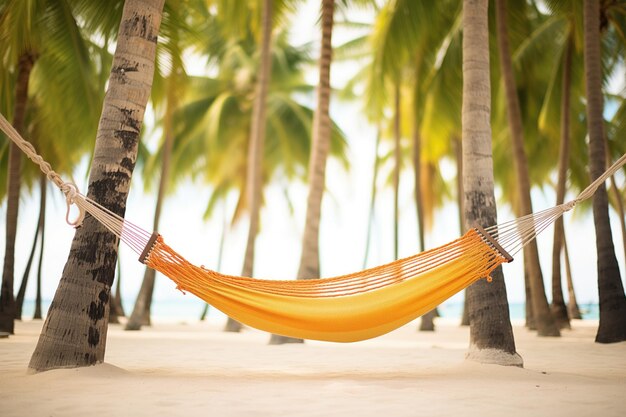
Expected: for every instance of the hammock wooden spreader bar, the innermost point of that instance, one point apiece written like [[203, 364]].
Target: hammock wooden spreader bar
[[345, 308]]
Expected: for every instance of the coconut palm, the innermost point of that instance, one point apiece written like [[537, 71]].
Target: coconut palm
[[71, 338], [612, 326], [490, 326], [309, 260], [177, 35], [543, 319], [216, 114], [46, 56]]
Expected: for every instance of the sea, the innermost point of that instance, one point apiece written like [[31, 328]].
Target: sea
[[189, 309]]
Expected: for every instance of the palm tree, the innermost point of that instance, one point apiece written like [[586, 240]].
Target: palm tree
[[174, 84], [19, 299], [612, 326], [71, 338], [45, 46], [543, 319], [254, 179], [141, 310], [309, 261], [7, 301], [490, 326], [558, 308]]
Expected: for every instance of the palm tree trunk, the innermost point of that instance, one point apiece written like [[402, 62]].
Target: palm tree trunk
[[572, 305], [309, 260], [490, 325], [75, 330], [427, 322], [370, 216], [141, 311], [220, 254], [117, 298], [419, 202], [19, 300], [116, 304], [256, 146], [458, 152], [7, 300], [612, 326], [559, 310], [617, 199], [543, 319], [42, 233], [397, 160]]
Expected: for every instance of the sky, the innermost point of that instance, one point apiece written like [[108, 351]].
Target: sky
[[343, 228]]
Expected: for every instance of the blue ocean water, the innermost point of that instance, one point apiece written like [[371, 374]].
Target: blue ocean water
[[190, 308]]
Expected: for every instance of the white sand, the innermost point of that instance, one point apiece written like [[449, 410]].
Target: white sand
[[197, 370]]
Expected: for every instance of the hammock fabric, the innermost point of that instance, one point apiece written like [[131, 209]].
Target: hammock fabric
[[346, 308]]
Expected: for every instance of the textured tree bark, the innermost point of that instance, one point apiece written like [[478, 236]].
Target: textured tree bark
[[254, 177], [7, 299], [491, 334], [309, 260], [559, 310], [612, 326], [74, 333], [543, 319]]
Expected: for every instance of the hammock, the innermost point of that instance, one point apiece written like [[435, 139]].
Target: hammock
[[345, 308]]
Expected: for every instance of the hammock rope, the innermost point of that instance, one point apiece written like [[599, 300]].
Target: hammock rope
[[344, 308]]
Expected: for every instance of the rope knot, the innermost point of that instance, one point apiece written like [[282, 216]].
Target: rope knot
[[569, 205], [72, 196]]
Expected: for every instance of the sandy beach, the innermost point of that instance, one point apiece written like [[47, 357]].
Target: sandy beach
[[196, 369]]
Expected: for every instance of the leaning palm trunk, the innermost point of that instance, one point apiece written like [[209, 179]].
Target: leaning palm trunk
[[572, 304], [558, 308], [75, 330], [397, 161], [458, 151], [19, 300], [617, 202], [427, 322], [141, 311], [309, 260], [612, 327], [7, 300], [543, 319], [370, 216], [491, 334], [254, 177], [38, 314]]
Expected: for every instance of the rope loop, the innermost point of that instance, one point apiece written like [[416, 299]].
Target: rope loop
[[72, 196]]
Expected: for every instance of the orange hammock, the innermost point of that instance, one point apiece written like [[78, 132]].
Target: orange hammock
[[346, 308]]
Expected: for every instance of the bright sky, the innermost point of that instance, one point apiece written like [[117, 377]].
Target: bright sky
[[343, 228]]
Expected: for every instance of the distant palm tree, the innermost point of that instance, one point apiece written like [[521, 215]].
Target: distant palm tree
[[322, 129], [75, 330], [558, 308], [490, 326], [43, 45], [173, 84], [254, 179], [543, 319], [612, 326]]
